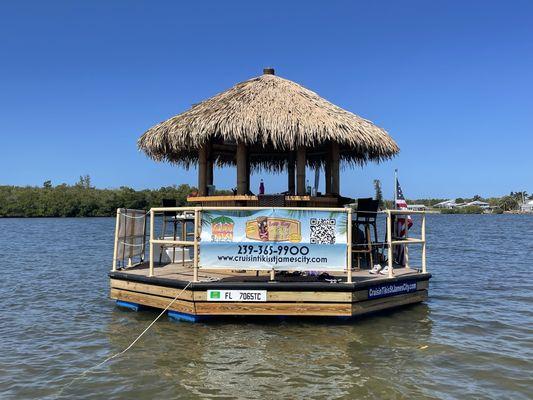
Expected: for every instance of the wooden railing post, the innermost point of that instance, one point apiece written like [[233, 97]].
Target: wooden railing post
[[349, 249], [115, 248], [131, 233], [196, 233], [151, 243], [406, 249], [389, 242], [423, 237]]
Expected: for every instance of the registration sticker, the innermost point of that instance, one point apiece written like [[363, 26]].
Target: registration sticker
[[236, 295]]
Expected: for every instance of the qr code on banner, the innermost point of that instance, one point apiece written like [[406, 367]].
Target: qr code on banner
[[322, 230]]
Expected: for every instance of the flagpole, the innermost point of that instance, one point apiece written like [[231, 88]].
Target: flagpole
[[395, 187], [393, 224]]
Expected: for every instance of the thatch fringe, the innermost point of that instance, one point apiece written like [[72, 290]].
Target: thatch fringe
[[271, 115]]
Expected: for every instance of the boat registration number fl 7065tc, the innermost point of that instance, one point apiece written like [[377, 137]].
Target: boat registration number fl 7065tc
[[236, 295]]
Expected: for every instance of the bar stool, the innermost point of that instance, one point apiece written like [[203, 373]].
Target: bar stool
[[365, 217], [169, 217]]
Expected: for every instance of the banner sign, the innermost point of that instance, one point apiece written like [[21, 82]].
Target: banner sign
[[391, 289], [279, 239]]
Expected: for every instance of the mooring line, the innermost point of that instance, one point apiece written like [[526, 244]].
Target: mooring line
[[127, 348]]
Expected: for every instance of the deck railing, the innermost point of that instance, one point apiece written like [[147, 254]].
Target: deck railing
[[130, 237], [406, 241], [389, 243]]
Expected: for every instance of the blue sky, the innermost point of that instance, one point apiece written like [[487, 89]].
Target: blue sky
[[452, 82]]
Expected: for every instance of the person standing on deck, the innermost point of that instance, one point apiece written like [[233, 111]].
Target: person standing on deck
[[403, 223]]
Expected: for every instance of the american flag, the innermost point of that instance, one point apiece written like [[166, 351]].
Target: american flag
[[401, 226]]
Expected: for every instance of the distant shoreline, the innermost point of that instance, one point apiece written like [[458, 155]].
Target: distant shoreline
[[82, 200]]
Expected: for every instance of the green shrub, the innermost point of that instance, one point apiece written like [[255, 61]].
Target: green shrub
[[82, 200]]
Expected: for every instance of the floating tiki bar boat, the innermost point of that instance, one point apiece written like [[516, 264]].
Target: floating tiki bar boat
[[297, 253]]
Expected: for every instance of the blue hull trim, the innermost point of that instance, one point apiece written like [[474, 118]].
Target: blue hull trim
[[178, 316], [128, 305]]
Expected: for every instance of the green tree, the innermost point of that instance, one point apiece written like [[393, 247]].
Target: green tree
[[379, 192], [84, 182], [519, 196], [508, 203]]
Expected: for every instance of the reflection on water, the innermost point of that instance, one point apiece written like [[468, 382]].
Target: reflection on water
[[473, 338]]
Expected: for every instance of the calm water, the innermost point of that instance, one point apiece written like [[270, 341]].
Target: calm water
[[472, 339]]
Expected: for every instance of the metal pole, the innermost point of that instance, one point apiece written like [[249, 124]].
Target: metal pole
[[423, 235], [349, 249], [115, 249], [389, 242], [395, 186], [151, 243], [195, 259]]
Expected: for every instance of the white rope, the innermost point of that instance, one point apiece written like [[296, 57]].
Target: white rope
[[134, 216], [131, 245], [127, 348]]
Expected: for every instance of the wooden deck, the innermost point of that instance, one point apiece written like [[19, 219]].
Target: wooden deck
[[287, 295]]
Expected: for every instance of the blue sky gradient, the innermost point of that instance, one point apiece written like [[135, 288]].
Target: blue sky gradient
[[451, 81]]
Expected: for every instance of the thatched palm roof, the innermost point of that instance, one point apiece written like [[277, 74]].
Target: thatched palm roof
[[272, 115]]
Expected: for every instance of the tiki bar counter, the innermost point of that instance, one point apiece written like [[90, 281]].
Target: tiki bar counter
[[300, 252]]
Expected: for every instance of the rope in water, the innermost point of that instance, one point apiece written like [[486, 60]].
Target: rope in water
[[127, 348]]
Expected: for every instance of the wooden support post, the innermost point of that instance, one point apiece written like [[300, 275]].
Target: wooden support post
[[290, 174], [423, 237], [210, 163], [248, 172], [389, 242], [349, 239], [242, 169], [327, 171], [300, 171], [196, 238], [115, 249], [209, 172], [151, 273], [335, 168], [202, 171]]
